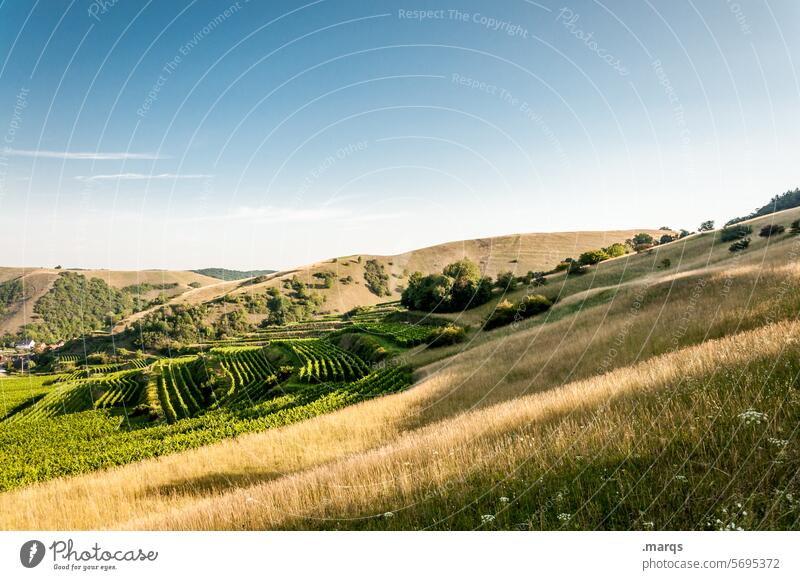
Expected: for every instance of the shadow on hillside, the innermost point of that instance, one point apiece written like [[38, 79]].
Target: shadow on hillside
[[212, 484]]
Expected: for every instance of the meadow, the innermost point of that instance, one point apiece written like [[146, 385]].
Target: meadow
[[648, 397]]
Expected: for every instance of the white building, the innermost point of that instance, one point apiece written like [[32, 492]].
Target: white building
[[25, 345]]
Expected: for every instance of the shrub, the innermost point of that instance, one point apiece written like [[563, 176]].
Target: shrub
[[771, 230], [561, 266], [794, 229], [616, 250], [684, 233], [593, 257], [376, 278], [447, 335], [706, 226], [666, 263], [739, 245], [666, 238], [195, 284], [735, 232], [576, 269], [327, 277], [506, 281], [642, 238], [535, 279], [507, 312]]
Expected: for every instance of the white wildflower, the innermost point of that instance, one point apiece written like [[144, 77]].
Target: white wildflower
[[753, 417], [487, 518]]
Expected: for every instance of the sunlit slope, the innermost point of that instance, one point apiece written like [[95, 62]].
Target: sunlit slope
[[518, 253], [666, 391]]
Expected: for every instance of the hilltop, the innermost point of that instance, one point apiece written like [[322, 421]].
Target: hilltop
[[658, 392], [518, 253]]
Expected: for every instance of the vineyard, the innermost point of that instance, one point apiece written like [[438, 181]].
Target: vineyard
[[32, 451], [17, 393], [124, 388], [403, 334], [321, 361], [86, 417]]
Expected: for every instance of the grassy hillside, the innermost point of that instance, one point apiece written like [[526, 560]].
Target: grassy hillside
[[518, 253], [650, 396]]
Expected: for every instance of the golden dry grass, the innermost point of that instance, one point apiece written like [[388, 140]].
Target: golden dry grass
[[538, 359], [401, 474], [519, 253], [473, 417]]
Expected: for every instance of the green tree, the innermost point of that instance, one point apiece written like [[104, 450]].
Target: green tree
[[459, 286], [593, 257], [616, 250], [706, 226], [735, 232], [506, 281], [666, 238]]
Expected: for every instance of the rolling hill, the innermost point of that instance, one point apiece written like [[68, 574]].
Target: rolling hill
[[518, 253], [659, 392], [38, 281]]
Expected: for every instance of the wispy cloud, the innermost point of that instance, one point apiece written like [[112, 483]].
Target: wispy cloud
[[273, 214], [81, 155], [142, 176]]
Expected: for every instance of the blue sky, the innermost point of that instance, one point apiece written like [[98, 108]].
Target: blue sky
[[269, 134]]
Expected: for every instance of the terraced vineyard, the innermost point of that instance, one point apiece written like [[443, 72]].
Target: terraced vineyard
[[321, 361], [120, 389], [81, 420], [404, 334], [32, 451], [124, 388], [249, 373], [179, 388]]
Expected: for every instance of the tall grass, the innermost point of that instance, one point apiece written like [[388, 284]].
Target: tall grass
[[582, 418]]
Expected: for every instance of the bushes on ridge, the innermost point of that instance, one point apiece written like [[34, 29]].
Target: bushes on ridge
[[735, 232], [459, 286]]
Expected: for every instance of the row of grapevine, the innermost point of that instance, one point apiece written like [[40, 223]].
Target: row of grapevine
[[105, 392], [62, 400], [250, 374], [403, 333], [180, 388], [84, 442], [321, 361], [19, 392], [122, 388]]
